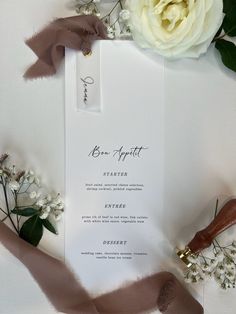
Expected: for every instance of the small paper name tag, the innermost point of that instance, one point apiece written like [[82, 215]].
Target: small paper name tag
[[88, 81]]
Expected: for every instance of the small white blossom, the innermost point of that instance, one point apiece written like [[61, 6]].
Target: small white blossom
[[229, 264], [43, 215], [233, 253], [206, 267], [219, 279], [14, 185], [214, 263], [110, 32], [220, 269], [57, 203], [124, 15], [41, 202], [57, 215], [230, 275], [219, 256], [47, 209], [192, 259], [31, 178], [33, 195]]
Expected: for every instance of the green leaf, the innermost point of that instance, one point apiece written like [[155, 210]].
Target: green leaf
[[229, 23], [47, 224], [26, 212], [227, 50], [228, 4], [32, 230]]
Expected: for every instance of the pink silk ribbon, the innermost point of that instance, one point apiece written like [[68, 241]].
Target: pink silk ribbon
[[160, 291], [76, 32]]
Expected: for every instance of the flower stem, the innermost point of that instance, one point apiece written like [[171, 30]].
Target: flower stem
[[216, 208], [2, 210], [121, 5], [17, 216], [225, 34], [7, 205], [108, 14]]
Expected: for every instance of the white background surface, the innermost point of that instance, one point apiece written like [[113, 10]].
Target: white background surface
[[200, 137], [32, 131]]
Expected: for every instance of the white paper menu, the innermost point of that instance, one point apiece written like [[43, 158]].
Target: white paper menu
[[183, 117], [114, 168]]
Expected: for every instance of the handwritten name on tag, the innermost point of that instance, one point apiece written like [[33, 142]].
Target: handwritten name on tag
[[88, 81]]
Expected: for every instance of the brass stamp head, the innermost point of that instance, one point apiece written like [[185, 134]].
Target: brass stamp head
[[184, 256]]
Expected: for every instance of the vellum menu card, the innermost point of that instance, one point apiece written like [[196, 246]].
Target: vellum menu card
[[114, 164]]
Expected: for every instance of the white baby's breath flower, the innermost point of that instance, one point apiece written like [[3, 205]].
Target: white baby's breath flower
[[36, 181], [110, 32], [43, 215], [41, 202], [31, 178], [220, 256], [228, 262], [220, 269], [219, 279], [213, 263], [232, 253], [49, 198], [230, 275], [33, 195], [14, 185], [192, 259], [12, 170], [175, 28], [194, 270], [205, 266], [51, 206], [87, 12], [207, 274], [57, 200], [47, 209], [124, 15], [57, 214]]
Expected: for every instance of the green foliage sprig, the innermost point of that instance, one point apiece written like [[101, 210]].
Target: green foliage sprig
[[226, 47], [25, 203]]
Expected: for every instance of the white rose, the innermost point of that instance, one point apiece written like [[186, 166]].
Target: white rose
[[175, 28]]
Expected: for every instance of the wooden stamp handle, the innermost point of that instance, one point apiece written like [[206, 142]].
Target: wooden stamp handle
[[225, 219]]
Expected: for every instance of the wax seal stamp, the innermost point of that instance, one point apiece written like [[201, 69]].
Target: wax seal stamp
[[204, 238]]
